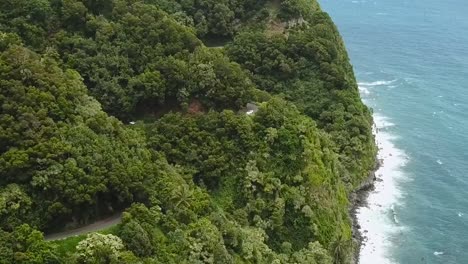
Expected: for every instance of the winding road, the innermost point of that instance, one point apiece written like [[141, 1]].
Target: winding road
[[96, 226]]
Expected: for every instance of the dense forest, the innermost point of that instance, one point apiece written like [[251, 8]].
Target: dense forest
[[139, 107]]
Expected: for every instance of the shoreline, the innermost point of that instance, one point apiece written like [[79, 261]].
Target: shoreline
[[373, 201], [358, 199]]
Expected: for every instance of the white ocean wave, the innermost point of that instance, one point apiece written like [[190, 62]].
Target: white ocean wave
[[394, 214], [379, 220], [376, 83], [382, 122], [363, 90]]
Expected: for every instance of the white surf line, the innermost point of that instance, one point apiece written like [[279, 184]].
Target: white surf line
[[376, 83], [378, 220]]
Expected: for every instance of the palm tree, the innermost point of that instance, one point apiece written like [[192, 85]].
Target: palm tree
[[181, 196], [341, 248]]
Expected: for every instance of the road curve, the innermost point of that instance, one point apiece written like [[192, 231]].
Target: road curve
[[96, 226]]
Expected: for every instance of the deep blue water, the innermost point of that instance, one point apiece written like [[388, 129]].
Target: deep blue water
[[420, 48]]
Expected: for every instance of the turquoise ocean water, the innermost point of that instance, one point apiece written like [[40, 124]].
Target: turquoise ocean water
[[411, 60]]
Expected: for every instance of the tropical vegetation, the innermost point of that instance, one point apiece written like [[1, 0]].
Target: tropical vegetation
[[139, 107]]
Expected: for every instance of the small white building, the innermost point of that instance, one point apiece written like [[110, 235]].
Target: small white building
[[250, 109]]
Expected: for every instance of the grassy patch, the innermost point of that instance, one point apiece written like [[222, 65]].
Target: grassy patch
[[274, 25], [68, 246], [216, 41], [273, 7]]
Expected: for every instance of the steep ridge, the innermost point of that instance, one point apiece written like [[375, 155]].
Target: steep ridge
[[200, 180]]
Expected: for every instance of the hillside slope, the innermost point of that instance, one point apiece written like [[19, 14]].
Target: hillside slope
[[118, 105]]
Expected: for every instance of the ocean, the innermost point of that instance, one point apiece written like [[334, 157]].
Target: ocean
[[411, 62]]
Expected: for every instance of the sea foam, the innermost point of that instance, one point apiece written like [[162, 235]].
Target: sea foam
[[363, 90], [376, 83], [378, 220]]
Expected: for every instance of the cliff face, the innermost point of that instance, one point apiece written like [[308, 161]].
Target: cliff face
[[200, 180]]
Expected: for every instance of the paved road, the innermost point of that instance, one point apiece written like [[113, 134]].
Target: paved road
[[96, 226]]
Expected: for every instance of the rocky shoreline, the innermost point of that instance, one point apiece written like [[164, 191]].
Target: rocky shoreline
[[358, 199]]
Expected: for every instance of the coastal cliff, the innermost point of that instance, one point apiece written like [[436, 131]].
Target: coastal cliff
[[127, 106]]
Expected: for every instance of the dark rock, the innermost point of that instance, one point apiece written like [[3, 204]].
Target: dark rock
[[359, 199]]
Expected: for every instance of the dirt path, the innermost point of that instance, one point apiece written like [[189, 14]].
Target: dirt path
[[96, 226]]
